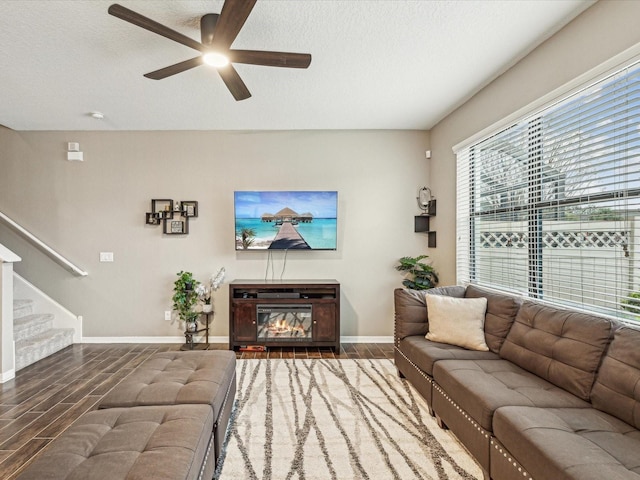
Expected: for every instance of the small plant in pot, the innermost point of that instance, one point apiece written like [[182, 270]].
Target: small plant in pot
[[204, 295], [205, 291], [421, 276], [185, 298]]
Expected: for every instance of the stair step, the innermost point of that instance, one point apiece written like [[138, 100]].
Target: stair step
[[35, 348], [31, 325], [22, 308]]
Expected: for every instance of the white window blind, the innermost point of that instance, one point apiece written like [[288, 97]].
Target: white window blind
[[550, 206]]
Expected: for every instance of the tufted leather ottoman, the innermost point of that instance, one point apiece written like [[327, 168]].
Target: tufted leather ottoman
[[182, 378], [160, 443]]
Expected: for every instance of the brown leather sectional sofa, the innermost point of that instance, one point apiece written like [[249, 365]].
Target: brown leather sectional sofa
[[557, 396]]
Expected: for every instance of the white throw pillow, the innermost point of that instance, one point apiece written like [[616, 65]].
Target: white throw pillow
[[457, 321]]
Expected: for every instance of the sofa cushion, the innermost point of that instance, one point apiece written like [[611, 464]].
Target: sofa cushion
[[168, 442], [617, 387], [501, 312], [569, 443], [425, 353], [561, 346], [172, 378], [480, 387], [457, 321], [411, 309]]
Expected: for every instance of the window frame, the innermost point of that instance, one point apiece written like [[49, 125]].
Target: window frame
[[536, 203]]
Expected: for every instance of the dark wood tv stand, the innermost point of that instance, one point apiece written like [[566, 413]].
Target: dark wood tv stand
[[322, 295]]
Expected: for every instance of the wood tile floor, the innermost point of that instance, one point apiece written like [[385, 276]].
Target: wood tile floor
[[48, 396]]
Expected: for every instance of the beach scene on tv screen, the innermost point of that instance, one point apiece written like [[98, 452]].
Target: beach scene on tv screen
[[296, 220]]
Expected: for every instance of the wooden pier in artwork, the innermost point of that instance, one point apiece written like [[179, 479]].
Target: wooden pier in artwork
[[289, 238]]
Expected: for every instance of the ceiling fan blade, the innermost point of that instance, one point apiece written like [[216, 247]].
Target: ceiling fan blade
[[153, 26], [234, 83], [232, 17], [270, 59], [173, 69], [208, 27]]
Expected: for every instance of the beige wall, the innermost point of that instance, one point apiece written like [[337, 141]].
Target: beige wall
[[84, 208], [81, 209], [600, 33]]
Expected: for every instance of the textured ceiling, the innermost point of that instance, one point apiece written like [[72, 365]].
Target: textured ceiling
[[376, 64]]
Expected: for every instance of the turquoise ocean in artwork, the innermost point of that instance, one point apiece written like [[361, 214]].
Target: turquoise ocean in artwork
[[319, 234]]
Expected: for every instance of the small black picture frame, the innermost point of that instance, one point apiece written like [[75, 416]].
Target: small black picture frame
[[176, 226], [189, 208]]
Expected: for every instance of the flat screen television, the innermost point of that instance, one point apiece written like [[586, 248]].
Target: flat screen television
[[286, 220]]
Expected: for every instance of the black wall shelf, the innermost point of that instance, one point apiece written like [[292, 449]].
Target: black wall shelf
[[173, 216], [422, 224]]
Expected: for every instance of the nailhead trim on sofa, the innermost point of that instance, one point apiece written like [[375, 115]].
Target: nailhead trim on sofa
[[510, 460], [424, 375], [206, 457], [224, 404], [484, 432], [213, 437]]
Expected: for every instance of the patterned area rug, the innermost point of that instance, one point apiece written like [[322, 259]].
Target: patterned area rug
[[335, 419]]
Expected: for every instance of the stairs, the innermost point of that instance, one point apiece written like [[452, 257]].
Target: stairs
[[34, 335]]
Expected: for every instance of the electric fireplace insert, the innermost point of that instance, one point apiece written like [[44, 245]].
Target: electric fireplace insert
[[283, 322]]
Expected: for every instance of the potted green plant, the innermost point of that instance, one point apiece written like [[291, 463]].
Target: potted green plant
[[421, 276], [185, 298]]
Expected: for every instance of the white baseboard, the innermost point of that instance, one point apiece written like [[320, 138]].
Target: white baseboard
[[361, 339], [218, 339], [8, 375], [179, 339]]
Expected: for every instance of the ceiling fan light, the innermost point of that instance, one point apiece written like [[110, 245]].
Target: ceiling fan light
[[215, 59]]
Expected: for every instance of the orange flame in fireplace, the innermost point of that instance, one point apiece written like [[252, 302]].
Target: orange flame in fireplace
[[281, 326]]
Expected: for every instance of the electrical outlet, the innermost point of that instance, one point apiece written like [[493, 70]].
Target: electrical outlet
[[106, 256], [167, 314]]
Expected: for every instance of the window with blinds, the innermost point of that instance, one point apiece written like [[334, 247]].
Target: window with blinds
[[550, 206]]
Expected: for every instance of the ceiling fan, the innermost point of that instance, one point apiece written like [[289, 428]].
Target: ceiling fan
[[217, 33]]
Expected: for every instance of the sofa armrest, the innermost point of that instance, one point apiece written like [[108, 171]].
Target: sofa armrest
[[411, 316]]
